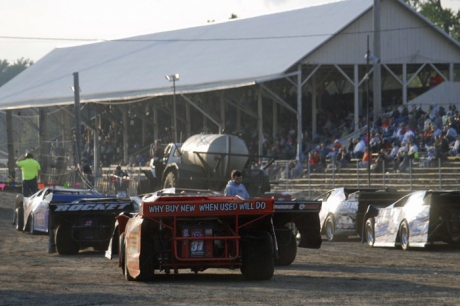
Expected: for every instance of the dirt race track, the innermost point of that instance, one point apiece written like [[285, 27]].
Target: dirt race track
[[342, 273]]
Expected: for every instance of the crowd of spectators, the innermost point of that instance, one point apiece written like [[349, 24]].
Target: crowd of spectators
[[397, 130], [396, 137]]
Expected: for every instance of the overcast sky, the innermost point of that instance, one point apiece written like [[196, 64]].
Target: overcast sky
[[31, 28]]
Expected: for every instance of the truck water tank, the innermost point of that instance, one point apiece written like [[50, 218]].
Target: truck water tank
[[213, 148]]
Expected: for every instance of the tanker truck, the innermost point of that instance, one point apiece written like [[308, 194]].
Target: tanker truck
[[204, 161]]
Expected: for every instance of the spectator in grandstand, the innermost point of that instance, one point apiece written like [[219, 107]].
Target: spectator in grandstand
[[297, 170], [394, 151], [428, 136], [454, 151], [314, 162], [401, 157], [438, 124], [359, 148], [87, 172], [451, 133], [367, 158]]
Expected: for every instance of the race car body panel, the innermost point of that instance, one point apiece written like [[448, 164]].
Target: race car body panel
[[35, 209], [88, 222], [197, 230], [343, 208], [431, 216]]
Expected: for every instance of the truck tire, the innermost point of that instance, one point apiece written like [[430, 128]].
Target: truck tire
[[287, 246], [258, 262], [65, 245], [19, 218], [170, 180]]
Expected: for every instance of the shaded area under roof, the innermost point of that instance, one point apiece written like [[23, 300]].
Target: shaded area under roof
[[216, 56]]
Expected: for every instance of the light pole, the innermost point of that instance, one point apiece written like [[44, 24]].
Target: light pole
[[368, 53], [173, 78], [369, 56]]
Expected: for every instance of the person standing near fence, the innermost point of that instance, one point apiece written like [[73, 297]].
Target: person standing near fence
[[30, 173]]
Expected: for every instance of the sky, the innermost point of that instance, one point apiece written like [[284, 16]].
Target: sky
[[32, 28]]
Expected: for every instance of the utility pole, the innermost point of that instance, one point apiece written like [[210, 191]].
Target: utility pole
[[76, 91]]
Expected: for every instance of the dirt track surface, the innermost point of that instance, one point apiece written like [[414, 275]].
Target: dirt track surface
[[342, 273]]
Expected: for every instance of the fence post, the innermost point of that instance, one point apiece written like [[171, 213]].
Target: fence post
[[357, 172], [410, 173], [383, 173], [440, 173]]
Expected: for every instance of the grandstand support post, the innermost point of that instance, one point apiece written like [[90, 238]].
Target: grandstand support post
[[368, 53], [309, 175], [76, 91], [299, 114]]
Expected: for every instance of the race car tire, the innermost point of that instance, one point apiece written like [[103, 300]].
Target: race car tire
[[19, 218], [146, 259], [330, 229], [128, 277], [369, 232], [31, 224], [404, 235], [287, 247], [65, 245], [121, 252], [170, 180], [258, 262]]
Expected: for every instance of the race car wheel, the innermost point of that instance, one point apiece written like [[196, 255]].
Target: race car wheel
[[170, 180], [287, 247], [128, 277], [121, 252], [404, 236], [330, 229], [258, 262], [369, 232], [31, 224], [65, 245], [19, 218]]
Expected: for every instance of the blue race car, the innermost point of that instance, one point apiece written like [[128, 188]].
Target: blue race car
[[31, 213], [418, 219]]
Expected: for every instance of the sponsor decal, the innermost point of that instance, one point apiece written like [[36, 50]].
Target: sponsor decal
[[206, 207], [91, 207]]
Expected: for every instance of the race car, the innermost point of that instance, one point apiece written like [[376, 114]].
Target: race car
[[86, 222], [31, 213], [196, 230], [343, 208], [418, 219]]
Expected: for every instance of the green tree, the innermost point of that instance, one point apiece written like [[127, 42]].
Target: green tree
[[7, 71], [445, 18]]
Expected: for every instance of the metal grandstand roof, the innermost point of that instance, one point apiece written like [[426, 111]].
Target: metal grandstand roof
[[216, 56]]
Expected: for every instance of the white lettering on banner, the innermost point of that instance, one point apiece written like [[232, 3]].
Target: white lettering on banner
[[228, 206], [209, 207], [187, 208], [172, 208], [156, 208]]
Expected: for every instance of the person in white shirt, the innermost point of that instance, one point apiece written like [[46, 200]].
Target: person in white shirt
[[359, 149]]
